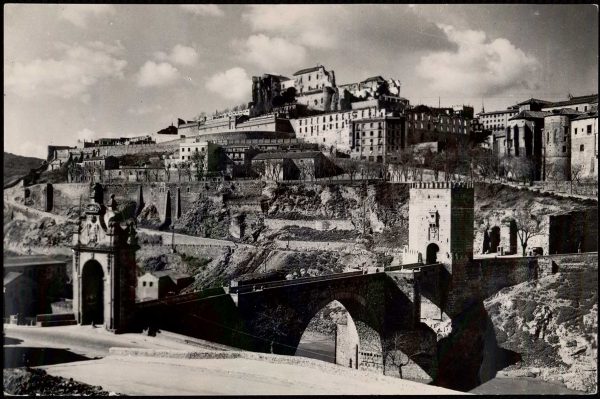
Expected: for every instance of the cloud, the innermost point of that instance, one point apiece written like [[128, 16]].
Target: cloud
[[478, 66], [311, 25], [233, 84], [358, 28], [79, 68], [152, 74], [180, 54], [273, 54], [144, 109], [78, 14], [211, 10]]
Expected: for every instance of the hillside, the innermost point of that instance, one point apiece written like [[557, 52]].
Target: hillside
[[17, 165], [553, 324]]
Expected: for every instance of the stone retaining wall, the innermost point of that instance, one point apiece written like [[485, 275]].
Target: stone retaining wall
[[316, 224]]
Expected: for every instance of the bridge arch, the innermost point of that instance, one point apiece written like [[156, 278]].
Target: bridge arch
[[352, 342], [92, 295]]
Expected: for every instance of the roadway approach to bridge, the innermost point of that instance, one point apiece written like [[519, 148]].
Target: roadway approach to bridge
[[134, 364]]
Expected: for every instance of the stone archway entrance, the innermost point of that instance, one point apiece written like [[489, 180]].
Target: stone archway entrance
[[92, 295], [494, 238], [432, 251]]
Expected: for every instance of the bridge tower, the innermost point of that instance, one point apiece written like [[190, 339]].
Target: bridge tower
[[441, 223], [104, 268]]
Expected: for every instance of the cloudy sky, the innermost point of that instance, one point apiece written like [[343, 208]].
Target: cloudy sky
[[89, 71]]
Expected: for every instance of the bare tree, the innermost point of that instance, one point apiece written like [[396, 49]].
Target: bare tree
[[576, 174], [528, 225]]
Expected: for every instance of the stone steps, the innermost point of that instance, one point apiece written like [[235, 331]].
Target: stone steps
[[55, 320]]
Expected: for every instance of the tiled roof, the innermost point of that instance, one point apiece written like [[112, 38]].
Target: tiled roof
[[287, 155], [308, 70], [575, 100], [588, 115], [530, 115], [565, 111], [374, 79], [534, 101]]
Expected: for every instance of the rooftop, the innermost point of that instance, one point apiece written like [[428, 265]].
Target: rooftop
[[287, 155], [565, 111], [534, 101], [374, 79], [35, 260], [593, 114], [530, 115], [575, 100], [308, 70]]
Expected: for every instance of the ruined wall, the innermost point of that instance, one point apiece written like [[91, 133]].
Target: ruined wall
[[573, 232], [345, 247], [318, 224]]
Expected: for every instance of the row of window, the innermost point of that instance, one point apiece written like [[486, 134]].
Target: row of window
[[588, 129]]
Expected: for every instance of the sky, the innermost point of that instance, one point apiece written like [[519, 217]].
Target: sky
[[88, 71]]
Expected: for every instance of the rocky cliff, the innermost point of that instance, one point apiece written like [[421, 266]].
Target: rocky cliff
[[552, 323]]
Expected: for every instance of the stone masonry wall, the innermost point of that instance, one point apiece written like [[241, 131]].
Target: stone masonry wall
[[317, 224]]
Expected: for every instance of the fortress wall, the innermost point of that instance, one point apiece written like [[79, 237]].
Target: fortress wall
[[320, 224], [346, 247], [67, 195], [36, 197]]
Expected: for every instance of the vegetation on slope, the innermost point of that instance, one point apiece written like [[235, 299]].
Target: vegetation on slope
[[17, 165]]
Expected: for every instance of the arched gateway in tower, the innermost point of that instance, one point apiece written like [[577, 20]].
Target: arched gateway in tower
[[441, 222], [104, 269]]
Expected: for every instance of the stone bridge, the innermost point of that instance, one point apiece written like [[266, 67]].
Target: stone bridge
[[272, 317]]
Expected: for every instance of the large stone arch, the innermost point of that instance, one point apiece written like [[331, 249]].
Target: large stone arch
[[277, 318], [93, 294]]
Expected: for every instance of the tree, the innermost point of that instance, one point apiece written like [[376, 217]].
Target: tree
[[576, 174], [198, 162], [528, 225]]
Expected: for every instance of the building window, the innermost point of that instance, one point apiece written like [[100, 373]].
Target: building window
[[575, 131], [589, 129], [150, 283], [581, 147], [564, 149], [144, 284]]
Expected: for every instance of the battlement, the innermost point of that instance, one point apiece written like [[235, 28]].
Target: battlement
[[442, 184]]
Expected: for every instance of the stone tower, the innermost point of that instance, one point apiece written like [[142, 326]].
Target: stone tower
[[557, 144], [104, 269], [441, 223]]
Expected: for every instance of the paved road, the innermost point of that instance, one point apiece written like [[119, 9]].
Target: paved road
[[86, 340], [166, 376]]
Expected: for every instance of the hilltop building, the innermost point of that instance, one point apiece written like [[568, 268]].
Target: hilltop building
[[542, 134], [584, 145], [304, 165], [316, 88], [372, 87], [580, 103], [378, 139], [557, 144]]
